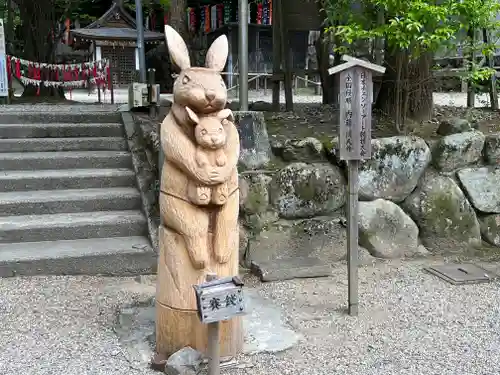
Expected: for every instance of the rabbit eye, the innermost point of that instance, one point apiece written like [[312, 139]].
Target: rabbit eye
[[220, 130], [185, 80], [203, 132]]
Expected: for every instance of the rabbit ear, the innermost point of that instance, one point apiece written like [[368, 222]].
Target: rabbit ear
[[217, 54], [193, 116], [177, 48], [225, 114]]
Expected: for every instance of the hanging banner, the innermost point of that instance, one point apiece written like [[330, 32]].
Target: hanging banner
[[4, 78]]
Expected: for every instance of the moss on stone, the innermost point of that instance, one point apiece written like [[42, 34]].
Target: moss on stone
[[257, 199], [439, 151], [490, 228], [315, 227], [396, 148], [328, 143], [305, 190], [444, 214], [257, 223], [276, 164]]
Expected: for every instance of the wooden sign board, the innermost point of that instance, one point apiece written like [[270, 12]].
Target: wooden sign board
[[220, 299], [356, 97]]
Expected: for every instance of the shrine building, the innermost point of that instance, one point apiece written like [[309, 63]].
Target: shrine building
[[114, 36]]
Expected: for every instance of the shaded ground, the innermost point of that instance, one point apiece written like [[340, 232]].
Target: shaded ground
[[410, 322], [321, 121]]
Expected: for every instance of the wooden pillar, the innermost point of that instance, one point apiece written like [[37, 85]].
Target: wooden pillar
[[276, 57], [492, 87], [470, 88], [286, 57]]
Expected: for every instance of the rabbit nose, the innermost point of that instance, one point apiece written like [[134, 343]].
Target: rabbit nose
[[210, 94], [214, 139]]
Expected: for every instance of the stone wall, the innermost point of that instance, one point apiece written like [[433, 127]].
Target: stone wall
[[417, 196]]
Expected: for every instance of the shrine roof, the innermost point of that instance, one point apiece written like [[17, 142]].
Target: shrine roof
[[115, 33], [115, 14], [115, 24]]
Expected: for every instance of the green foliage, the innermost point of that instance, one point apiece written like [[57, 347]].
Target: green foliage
[[475, 14], [148, 4], [86, 11], [414, 26]]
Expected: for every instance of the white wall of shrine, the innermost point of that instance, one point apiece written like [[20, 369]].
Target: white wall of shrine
[[97, 55]]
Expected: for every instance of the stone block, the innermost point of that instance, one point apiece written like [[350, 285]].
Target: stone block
[[255, 149]]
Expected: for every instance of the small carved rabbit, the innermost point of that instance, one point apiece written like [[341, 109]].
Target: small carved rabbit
[[211, 138]]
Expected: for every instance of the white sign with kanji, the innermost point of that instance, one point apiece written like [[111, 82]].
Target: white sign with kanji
[[356, 96]]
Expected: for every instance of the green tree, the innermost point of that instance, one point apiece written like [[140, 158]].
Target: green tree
[[40, 30], [411, 31], [41, 20]]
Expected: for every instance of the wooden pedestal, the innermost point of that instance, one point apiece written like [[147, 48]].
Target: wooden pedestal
[[177, 322], [176, 329]]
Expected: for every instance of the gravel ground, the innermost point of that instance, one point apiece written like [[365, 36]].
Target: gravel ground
[[63, 325], [410, 323]]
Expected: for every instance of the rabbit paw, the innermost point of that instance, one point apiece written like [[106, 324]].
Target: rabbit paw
[[198, 261], [221, 160], [222, 258], [197, 252], [201, 159], [203, 194], [220, 194]]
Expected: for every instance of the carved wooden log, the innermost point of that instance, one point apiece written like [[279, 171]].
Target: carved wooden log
[[177, 322], [194, 239]]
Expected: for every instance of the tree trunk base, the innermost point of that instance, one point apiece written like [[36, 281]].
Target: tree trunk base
[[45, 94], [329, 84], [414, 98]]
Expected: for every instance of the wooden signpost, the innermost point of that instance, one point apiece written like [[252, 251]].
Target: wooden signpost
[[356, 97], [218, 300]]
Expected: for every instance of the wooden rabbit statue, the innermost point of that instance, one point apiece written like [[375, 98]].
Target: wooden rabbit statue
[[195, 239]]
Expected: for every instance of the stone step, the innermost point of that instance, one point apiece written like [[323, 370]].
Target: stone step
[[65, 179], [60, 130], [32, 114], [71, 226], [63, 144], [22, 161], [118, 256], [74, 200], [291, 268]]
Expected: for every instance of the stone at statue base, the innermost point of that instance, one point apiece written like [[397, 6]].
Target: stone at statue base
[[177, 323], [186, 361]]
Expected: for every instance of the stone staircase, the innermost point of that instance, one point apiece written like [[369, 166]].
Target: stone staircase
[[68, 197]]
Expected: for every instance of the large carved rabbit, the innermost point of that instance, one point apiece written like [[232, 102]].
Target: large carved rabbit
[[195, 239], [203, 91]]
